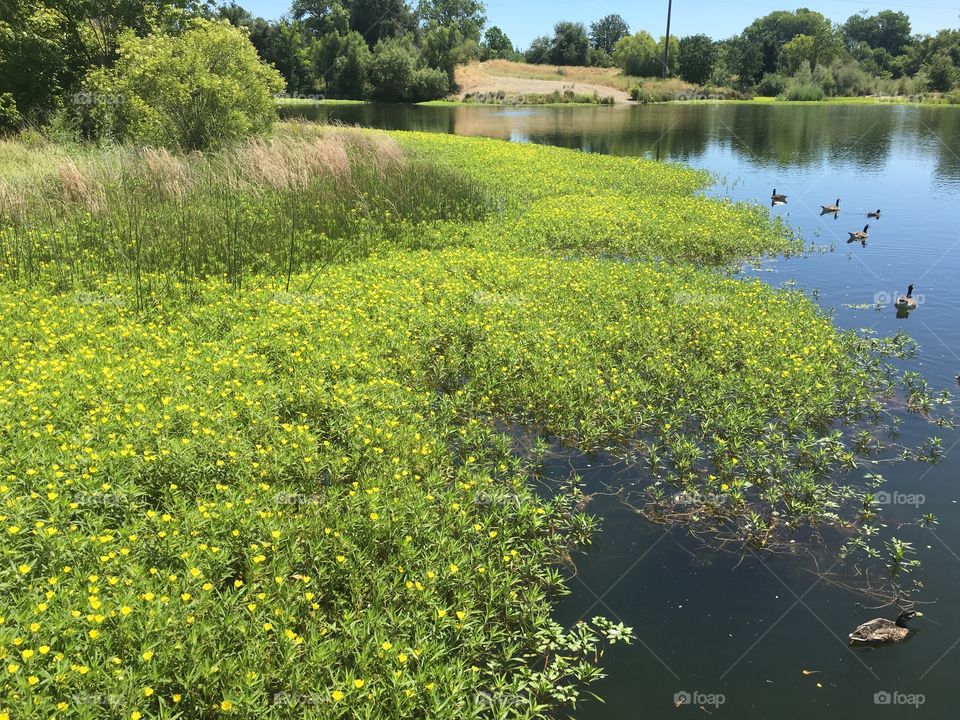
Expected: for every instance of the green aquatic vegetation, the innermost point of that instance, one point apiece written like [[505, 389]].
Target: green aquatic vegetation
[[252, 412], [677, 228]]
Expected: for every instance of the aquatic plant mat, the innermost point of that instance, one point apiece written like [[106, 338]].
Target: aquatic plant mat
[[254, 455]]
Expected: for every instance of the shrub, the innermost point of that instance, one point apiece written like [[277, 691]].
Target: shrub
[[397, 77], [428, 84], [201, 89], [771, 85], [804, 92]]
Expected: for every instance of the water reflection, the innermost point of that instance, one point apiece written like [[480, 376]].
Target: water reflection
[[774, 137]]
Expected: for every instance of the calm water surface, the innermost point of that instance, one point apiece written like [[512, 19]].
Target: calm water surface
[[706, 622]]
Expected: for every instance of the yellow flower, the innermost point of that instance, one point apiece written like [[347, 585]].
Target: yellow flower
[[358, 683], [126, 610], [148, 655], [33, 680], [135, 715], [337, 695], [386, 645], [147, 691], [226, 705], [176, 697]]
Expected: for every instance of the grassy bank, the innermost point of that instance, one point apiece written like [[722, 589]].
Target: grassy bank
[[253, 450]]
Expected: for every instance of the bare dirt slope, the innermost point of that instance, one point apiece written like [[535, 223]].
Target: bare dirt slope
[[520, 79]]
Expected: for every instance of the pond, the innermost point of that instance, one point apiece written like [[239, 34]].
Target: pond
[[736, 634]]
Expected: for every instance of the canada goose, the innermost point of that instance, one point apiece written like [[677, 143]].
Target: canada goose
[[874, 215], [831, 208], [778, 197], [907, 302], [860, 235], [881, 631]]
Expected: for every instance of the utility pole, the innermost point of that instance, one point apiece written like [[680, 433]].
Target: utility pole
[[666, 44]]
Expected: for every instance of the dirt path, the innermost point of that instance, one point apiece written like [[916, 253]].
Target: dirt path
[[480, 78]]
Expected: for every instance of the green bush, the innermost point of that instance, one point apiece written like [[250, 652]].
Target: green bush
[[201, 89], [428, 84], [772, 85], [397, 76], [803, 92], [10, 118]]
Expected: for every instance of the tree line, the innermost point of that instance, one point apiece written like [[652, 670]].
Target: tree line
[[390, 50], [394, 50], [864, 55]]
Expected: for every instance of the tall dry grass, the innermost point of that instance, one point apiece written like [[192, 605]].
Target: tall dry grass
[[274, 205]]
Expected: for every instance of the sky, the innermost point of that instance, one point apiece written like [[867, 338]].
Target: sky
[[523, 20]]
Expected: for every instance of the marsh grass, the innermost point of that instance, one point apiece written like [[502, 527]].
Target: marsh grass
[[269, 205]]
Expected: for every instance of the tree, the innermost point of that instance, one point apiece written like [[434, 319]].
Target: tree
[[445, 47], [496, 45], [637, 55], [766, 36], [397, 75], [570, 44], [342, 65], [373, 19], [285, 46], [941, 73], [606, 32], [467, 16], [47, 46], [698, 54], [539, 51], [799, 51], [198, 90], [673, 57], [887, 29]]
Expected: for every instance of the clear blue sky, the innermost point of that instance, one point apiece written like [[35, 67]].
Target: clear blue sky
[[523, 20]]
